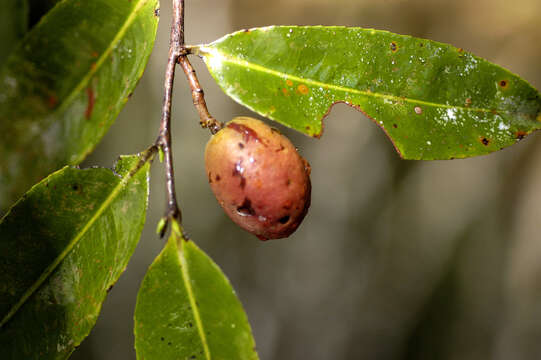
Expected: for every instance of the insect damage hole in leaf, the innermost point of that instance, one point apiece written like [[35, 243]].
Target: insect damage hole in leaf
[[434, 101]]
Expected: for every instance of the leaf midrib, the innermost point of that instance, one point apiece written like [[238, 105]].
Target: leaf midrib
[[191, 297], [49, 269], [209, 50], [105, 55]]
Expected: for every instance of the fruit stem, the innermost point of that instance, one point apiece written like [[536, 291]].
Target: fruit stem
[[205, 119]]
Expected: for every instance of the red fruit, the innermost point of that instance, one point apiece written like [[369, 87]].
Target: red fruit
[[258, 178]]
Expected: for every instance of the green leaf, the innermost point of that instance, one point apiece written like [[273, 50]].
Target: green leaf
[[13, 25], [433, 100], [187, 309], [62, 246], [63, 87]]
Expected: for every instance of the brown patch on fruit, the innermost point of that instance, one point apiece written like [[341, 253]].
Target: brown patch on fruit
[[238, 171], [245, 209], [247, 133], [284, 219]]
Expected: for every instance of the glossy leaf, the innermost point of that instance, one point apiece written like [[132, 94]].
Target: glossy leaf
[[433, 100], [187, 309], [13, 25], [63, 87], [62, 246]]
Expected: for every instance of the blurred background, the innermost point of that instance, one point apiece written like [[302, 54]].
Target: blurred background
[[396, 259]]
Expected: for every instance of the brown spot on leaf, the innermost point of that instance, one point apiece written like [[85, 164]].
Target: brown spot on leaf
[[520, 135], [395, 126], [52, 101], [289, 83], [303, 89], [504, 84], [157, 12], [484, 141], [468, 102], [94, 54], [394, 47], [285, 92], [91, 101]]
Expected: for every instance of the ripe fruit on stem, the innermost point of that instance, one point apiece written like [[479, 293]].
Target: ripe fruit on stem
[[258, 178]]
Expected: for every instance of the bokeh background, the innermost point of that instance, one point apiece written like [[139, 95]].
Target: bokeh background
[[396, 259]]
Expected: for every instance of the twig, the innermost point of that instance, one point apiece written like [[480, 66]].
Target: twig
[[178, 54], [176, 41]]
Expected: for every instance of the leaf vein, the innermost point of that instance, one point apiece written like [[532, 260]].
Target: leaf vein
[[191, 297], [49, 269], [209, 51]]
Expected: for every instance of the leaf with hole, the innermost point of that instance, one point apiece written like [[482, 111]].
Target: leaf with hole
[[434, 101], [63, 87], [62, 247], [187, 309]]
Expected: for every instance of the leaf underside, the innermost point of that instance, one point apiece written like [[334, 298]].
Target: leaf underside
[[187, 309], [66, 82], [433, 100], [62, 246]]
